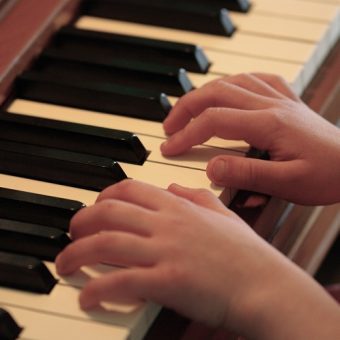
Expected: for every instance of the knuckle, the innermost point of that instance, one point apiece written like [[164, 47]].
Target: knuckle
[[217, 86], [207, 119], [172, 273], [104, 210], [202, 195], [125, 187], [277, 79], [252, 176], [210, 117], [104, 205], [275, 117], [241, 78]]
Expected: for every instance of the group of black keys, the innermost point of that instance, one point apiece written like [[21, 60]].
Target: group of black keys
[[110, 73]]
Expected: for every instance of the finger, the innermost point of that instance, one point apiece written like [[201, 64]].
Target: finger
[[110, 215], [279, 84], [116, 248], [136, 192], [130, 285], [201, 197], [221, 122], [218, 93], [269, 177], [254, 84]]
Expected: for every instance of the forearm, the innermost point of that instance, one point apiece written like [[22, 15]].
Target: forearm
[[290, 305]]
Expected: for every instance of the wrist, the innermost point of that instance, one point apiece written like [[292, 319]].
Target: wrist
[[285, 303]]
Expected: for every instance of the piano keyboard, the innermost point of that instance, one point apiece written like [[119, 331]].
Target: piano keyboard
[[287, 37]]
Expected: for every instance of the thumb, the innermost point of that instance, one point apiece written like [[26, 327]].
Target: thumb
[[251, 174]]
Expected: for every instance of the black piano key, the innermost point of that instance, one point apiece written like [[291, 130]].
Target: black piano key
[[30, 239], [106, 98], [59, 166], [102, 47], [115, 144], [25, 273], [173, 14], [172, 81], [38, 209], [9, 329], [232, 5]]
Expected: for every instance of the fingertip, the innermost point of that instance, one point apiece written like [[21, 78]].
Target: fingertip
[[167, 126], [73, 227], [217, 170], [87, 302], [173, 186], [169, 147], [171, 124], [177, 189], [58, 263], [61, 265], [164, 147]]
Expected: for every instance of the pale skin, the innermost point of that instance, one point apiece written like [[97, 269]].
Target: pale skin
[[183, 249], [262, 110]]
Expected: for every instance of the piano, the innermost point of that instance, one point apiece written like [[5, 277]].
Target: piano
[[41, 82]]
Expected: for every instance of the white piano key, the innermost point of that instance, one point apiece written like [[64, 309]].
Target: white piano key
[[252, 54], [322, 11], [286, 28], [136, 322], [293, 29], [126, 316], [138, 126], [41, 326], [199, 80], [196, 158], [249, 45], [307, 2], [160, 175], [228, 64], [44, 188], [81, 277]]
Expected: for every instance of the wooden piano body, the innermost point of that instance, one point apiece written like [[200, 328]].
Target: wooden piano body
[[291, 38]]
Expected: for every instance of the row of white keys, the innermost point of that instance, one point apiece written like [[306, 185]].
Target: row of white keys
[[314, 11], [221, 51], [138, 126], [187, 169], [145, 129], [26, 306], [41, 326], [60, 309], [296, 49], [58, 314], [332, 2]]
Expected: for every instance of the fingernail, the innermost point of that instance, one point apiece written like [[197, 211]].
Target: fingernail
[[219, 170]]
